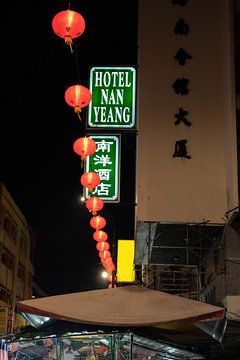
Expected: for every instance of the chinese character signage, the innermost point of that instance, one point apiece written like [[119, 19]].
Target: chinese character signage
[[105, 162], [113, 102], [180, 86]]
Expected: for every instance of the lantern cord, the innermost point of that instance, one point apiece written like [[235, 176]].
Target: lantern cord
[[71, 48], [78, 114], [77, 68]]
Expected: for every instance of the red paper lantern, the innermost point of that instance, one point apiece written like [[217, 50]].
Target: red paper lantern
[[68, 25], [109, 261], [77, 96], [111, 278], [108, 265], [84, 146], [102, 246], [110, 286], [94, 204], [104, 254], [104, 264], [100, 235], [90, 180], [97, 222]]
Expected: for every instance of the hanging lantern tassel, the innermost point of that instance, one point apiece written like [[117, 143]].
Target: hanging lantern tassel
[[77, 111], [68, 41]]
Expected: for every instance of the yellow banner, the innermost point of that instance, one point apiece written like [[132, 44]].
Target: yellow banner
[[125, 261]]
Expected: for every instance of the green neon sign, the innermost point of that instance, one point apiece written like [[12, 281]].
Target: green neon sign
[[105, 161], [113, 103]]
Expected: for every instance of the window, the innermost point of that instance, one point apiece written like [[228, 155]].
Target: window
[[8, 259], [21, 281], [23, 245], [30, 280], [21, 271], [5, 296], [10, 227], [14, 233], [7, 225]]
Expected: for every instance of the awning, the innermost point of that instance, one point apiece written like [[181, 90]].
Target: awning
[[122, 306]]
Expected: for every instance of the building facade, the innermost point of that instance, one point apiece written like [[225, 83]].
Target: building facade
[[17, 248], [188, 141]]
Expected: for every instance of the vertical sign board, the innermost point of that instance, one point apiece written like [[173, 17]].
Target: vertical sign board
[[105, 162], [113, 103]]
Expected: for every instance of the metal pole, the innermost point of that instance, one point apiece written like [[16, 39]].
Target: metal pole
[[149, 253]]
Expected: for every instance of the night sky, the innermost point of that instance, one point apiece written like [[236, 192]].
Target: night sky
[[37, 162]]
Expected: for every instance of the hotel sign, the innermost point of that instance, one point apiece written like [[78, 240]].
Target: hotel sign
[[113, 103], [105, 162]]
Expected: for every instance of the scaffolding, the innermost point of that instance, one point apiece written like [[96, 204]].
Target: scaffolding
[[170, 256]]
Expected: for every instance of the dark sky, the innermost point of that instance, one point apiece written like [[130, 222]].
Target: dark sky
[[37, 162]]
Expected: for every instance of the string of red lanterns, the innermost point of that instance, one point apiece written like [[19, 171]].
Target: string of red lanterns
[[69, 25], [85, 147]]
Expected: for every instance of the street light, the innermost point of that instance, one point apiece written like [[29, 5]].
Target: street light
[[104, 274]]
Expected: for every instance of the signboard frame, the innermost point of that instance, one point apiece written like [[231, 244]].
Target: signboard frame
[[89, 166], [119, 94]]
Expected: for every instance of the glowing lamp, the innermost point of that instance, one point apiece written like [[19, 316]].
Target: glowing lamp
[[77, 96], [90, 180], [104, 254], [68, 25], [94, 204], [97, 222], [100, 235], [84, 146], [102, 246]]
